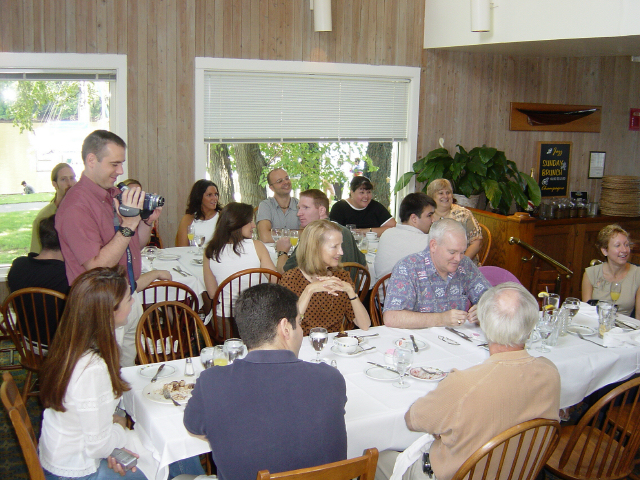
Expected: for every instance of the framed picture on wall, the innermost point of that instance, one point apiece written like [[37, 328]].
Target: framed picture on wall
[[553, 177], [596, 164]]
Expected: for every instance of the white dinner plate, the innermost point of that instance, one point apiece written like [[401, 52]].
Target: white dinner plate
[[581, 329], [168, 256], [427, 374], [196, 261], [401, 341], [150, 370], [153, 392], [359, 351], [378, 373]]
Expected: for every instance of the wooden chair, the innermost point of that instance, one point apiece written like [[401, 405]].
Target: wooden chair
[[486, 244], [169, 331], [168, 290], [361, 277], [10, 350], [31, 316], [363, 467], [22, 425], [376, 302], [222, 325], [605, 441], [519, 452], [595, 261]]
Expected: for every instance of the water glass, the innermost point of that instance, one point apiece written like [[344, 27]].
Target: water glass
[[150, 253], [606, 316], [551, 302], [276, 233], [572, 304], [402, 358], [206, 357], [546, 326], [234, 347], [351, 227], [199, 241], [318, 337]]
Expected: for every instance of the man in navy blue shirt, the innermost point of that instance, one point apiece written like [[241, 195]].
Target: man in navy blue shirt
[[270, 410]]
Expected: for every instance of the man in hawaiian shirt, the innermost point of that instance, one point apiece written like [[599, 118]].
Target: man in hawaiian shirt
[[434, 287]]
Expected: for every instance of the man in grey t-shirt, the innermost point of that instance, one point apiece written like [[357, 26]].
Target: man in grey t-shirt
[[279, 211]]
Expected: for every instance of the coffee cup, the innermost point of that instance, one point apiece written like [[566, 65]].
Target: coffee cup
[[346, 344]]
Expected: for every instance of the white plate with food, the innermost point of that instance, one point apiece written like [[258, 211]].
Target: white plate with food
[[149, 371], [407, 341], [378, 373], [427, 374], [180, 391], [581, 329], [359, 351], [196, 261], [168, 257]]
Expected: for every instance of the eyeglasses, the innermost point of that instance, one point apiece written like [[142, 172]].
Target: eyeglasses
[[280, 180]]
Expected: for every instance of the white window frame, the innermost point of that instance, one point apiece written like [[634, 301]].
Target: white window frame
[[407, 149], [80, 62]]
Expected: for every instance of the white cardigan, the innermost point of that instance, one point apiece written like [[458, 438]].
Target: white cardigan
[[72, 443]]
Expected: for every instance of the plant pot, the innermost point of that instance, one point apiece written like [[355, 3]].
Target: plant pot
[[471, 202]]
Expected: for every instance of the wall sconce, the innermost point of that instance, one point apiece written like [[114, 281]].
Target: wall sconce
[[480, 15], [321, 15]]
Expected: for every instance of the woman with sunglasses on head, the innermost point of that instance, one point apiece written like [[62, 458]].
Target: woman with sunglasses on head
[[81, 386]]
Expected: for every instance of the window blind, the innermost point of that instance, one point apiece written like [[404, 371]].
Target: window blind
[[253, 107]]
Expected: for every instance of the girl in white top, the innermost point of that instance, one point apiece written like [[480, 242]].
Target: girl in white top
[[202, 211], [80, 387], [232, 250]]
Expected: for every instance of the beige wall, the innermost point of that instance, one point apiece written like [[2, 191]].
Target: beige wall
[[464, 97]]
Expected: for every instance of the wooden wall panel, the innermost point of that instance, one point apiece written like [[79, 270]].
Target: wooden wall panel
[[464, 97]]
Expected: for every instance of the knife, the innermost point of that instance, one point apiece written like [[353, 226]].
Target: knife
[[415, 345], [174, 268], [155, 377], [460, 334], [182, 270], [385, 367]]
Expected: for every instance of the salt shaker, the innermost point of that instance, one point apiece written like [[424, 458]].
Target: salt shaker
[[188, 368]]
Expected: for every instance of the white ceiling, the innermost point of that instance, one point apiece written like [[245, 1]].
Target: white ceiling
[[574, 47]]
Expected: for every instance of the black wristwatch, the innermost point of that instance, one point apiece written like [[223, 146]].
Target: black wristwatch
[[126, 231], [280, 253]]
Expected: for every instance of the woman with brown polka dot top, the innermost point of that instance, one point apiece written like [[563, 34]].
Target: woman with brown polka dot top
[[327, 295]]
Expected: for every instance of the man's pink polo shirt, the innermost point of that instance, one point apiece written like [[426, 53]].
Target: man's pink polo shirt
[[84, 222]]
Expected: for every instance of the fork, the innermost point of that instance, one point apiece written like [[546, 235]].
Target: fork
[[580, 335], [167, 395], [184, 272]]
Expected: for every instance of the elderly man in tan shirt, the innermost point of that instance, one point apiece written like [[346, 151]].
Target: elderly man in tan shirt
[[471, 406]]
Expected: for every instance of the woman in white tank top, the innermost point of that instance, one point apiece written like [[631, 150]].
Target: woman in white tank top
[[232, 249], [202, 212]]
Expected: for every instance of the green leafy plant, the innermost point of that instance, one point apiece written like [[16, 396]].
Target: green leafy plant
[[481, 169]]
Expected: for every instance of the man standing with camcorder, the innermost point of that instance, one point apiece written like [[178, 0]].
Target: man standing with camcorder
[[102, 226]]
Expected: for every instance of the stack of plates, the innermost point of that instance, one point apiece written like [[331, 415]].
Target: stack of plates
[[620, 196]]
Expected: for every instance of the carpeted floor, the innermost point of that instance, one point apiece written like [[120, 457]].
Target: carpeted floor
[[12, 465]]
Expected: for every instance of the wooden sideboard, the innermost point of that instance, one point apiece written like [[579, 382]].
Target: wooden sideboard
[[570, 241]]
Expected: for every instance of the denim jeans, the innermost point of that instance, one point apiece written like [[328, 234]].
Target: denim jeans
[[188, 465]]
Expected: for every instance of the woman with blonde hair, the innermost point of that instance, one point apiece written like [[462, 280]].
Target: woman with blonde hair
[[442, 192], [613, 242], [327, 295]]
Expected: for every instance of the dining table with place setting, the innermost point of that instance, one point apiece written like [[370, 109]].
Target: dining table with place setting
[[385, 371]]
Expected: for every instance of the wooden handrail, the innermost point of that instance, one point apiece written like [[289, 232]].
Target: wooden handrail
[[535, 252]]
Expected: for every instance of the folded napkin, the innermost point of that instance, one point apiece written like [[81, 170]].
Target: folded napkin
[[617, 337], [411, 454], [588, 310]]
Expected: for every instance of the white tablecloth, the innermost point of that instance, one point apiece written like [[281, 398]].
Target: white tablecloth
[[375, 409]]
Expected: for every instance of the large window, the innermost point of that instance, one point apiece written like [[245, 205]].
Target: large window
[[49, 103], [256, 102]]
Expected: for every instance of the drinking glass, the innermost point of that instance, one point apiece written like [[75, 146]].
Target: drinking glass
[[276, 233], [606, 316], [199, 240], [191, 231], [206, 357], [616, 288], [293, 237], [546, 325], [351, 227], [572, 305], [402, 358], [234, 348], [364, 245], [151, 253], [220, 358], [551, 302], [318, 337]]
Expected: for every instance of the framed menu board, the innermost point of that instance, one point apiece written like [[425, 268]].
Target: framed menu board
[[553, 171]]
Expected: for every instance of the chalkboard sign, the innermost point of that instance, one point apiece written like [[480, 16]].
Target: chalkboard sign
[[553, 172]]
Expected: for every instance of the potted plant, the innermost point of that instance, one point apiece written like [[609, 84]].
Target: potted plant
[[481, 170]]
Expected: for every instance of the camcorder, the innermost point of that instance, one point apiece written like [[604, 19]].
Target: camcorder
[[151, 202]]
